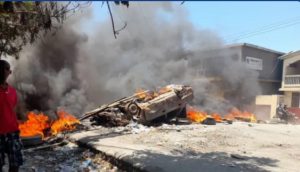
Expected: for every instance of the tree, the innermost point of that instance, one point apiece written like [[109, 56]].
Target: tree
[[24, 22]]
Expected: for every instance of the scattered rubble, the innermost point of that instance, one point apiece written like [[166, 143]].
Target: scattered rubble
[[67, 158]]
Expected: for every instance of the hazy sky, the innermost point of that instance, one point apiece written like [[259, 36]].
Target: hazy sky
[[274, 25]]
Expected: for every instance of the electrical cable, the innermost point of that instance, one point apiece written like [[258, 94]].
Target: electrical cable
[[267, 29]]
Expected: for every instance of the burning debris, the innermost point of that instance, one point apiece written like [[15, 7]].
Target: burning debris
[[65, 122], [198, 116], [144, 107], [239, 115], [35, 125], [148, 107], [41, 125]]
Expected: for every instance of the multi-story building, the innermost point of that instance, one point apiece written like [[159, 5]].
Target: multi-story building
[[290, 84], [263, 60]]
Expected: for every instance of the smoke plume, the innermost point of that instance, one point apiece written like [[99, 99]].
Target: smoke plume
[[159, 46]]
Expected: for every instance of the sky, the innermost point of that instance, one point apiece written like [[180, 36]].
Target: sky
[[274, 25]]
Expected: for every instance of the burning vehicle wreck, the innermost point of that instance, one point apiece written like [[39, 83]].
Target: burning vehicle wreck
[[144, 107]]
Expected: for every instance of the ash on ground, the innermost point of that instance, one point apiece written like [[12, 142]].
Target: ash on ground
[[67, 158]]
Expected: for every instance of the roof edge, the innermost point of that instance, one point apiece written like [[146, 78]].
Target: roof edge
[[256, 46], [290, 54]]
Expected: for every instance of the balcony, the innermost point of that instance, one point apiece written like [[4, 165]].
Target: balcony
[[292, 81]]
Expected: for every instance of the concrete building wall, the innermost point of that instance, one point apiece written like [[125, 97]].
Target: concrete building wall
[[295, 99], [236, 53], [292, 99], [288, 98], [269, 88], [272, 66], [271, 101], [271, 74]]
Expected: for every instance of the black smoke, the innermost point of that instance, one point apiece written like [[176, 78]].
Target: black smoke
[[159, 46]]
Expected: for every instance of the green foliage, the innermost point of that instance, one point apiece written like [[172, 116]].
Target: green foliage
[[23, 22]]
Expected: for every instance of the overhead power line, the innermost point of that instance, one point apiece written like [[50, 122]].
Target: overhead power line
[[265, 29]]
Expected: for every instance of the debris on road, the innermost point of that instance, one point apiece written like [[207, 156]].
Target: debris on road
[[66, 158]]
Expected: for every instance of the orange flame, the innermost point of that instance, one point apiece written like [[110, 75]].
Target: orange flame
[[144, 94], [217, 117], [148, 95], [195, 115], [238, 115], [199, 116], [65, 122], [164, 90], [35, 125]]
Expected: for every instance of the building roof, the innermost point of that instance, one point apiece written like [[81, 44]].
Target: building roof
[[290, 54], [256, 46]]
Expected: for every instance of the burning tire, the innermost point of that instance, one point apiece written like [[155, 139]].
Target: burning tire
[[32, 140]]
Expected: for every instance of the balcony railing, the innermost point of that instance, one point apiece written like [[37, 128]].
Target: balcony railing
[[292, 80]]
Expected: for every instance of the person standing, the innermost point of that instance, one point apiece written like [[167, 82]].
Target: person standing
[[10, 143]]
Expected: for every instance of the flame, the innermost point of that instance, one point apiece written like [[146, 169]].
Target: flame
[[145, 94], [238, 115], [65, 122], [149, 95], [198, 116], [35, 125], [195, 115], [217, 117], [164, 90], [250, 116]]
